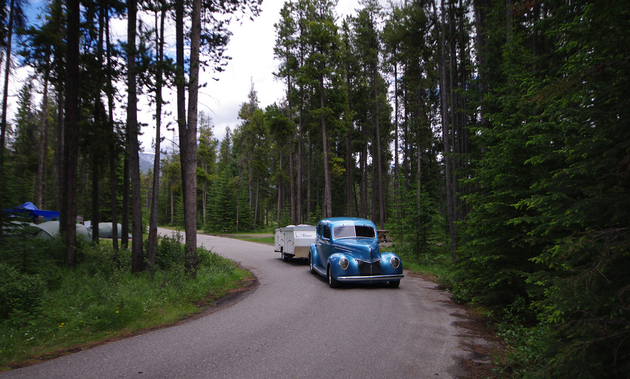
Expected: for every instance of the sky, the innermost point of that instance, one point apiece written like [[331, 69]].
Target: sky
[[252, 62], [251, 50]]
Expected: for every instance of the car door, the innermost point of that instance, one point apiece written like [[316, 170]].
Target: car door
[[324, 242]]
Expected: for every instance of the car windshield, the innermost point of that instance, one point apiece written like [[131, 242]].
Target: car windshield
[[353, 231]]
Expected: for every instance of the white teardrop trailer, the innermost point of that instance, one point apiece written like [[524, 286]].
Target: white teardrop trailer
[[293, 241]]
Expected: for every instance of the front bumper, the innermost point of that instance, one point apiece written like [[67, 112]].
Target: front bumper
[[370, 278]]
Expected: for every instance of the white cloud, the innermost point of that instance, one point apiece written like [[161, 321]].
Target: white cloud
[[251, 50]]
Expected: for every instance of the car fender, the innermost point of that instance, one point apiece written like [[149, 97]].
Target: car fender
[[337, 271], [386, 265], [314, 255]]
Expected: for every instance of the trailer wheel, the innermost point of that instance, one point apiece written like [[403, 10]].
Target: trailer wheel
[[285, 257]]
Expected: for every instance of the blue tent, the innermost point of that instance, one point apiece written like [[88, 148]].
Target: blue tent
[[29, 209]]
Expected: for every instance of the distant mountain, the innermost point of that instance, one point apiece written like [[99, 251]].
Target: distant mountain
[[146, 162]]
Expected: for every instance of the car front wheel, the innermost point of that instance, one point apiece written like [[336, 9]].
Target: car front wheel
[[332, 282], [394, 283], [310, 263]]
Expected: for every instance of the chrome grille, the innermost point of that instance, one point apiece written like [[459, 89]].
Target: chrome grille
[[368, 269]]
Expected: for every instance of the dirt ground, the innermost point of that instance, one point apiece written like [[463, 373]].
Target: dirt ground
[[478, 339], [484, 347]]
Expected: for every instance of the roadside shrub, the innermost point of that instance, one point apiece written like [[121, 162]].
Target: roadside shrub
[[528, 347], [208, 259], [460, 292], [170, 252], [19, 293]]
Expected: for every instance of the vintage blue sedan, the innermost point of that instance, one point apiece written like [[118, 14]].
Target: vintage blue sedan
[[347, 250]]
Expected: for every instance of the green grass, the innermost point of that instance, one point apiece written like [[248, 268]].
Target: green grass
[[61, 309], [436, 264]]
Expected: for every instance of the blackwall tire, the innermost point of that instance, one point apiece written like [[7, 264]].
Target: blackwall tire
[[332, 282]]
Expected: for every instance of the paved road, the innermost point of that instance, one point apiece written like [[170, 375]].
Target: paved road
[[292, 326]]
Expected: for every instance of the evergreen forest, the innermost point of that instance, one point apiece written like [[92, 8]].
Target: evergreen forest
[[485, 135]]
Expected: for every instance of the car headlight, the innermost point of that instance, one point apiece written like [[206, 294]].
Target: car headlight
[[344, 263], [395, 262]]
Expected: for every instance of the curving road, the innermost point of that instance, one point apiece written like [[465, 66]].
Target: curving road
[[292, 326]]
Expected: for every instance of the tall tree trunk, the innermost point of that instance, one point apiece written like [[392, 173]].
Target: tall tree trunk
[[298, 190], [96, 219], [59, 135], [124, 238], [188, 143], [294, 217], [379, 160], [256, 203], [445, 134], [455, 127], [43, 127], [180, 81], [374, 192], [464, 143], [250, 170], [84, 190], [509, 6], [3, 123], [137, 255], [238, 209], [397, 193], [406, 142], [420, 225], [349, 166], [480, 44], [68, 210], [113, 178], [349, 161], [99, 121], [363, 200], [279, 206], [309, 173], [153, 217], [204, 200], [327, 208]]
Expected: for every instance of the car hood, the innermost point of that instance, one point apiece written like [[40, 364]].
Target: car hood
[[358, 248]]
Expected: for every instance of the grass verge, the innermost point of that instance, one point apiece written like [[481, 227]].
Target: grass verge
[[54, 310]]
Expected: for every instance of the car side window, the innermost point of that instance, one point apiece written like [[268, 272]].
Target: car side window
[[326, 232]]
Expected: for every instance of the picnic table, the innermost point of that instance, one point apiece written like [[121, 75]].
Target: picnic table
[[382, 235]]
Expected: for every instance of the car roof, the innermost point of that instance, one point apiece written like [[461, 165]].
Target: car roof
[[333, 221]]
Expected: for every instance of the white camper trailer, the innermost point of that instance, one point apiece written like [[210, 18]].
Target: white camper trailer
[[293, 241]]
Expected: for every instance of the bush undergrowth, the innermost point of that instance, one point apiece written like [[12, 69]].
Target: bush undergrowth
[[46, 307], [435, 263]]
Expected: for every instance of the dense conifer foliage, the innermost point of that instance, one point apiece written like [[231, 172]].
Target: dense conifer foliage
[[489, 134]]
